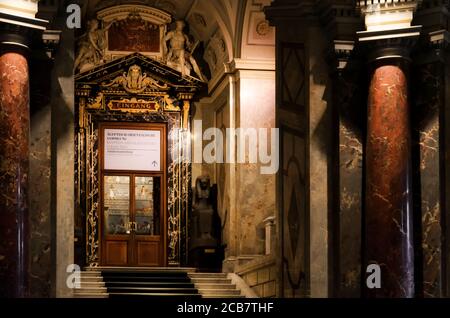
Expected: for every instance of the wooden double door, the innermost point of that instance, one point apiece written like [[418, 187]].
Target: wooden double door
[[133, 201]]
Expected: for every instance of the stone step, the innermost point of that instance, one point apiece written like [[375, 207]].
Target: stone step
[[214, 286], [146, 279], [144, 274], [223, 296], [154, 295], [219, 291], [140, 269], [91, 295], [92, 284], [208, 275], [151, 284], [152, 290], [211, 280], [90, 290], [90, 279], [90, 273]]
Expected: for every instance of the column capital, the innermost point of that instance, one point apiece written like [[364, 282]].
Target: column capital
[[18, 24], [434, 16], [185, 96], [440, 40], [389, 33], [339, 53], [387, 14], [341, 21], [343, 50], [51, 39], [390, 43]]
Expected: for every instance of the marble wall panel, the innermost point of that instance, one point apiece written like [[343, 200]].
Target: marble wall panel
[[255, 191], [427, 166], [347, 230], [40, 204]]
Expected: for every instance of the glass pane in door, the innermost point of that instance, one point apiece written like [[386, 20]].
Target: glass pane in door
[[116, 204], [147, 211]]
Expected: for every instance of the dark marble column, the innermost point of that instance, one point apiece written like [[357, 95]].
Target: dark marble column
[[388, 215], [14, 148]]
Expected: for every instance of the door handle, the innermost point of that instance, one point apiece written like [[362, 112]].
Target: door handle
[[131, 226]]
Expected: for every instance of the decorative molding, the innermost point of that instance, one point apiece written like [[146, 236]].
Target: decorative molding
[[395, 43], [20, 8], [340, 53], [147, 13], [51, 39], [294, 216], [341, 21], [250, 64], [440, 39], [389, 32], [263, 28], [26, 22], [135, 82], [260, 32], [19, 30], [96, 102], [387, 14], [154, 69], [293, 77]]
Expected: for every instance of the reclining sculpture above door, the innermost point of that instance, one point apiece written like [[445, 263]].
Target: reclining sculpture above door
[[123, 75]]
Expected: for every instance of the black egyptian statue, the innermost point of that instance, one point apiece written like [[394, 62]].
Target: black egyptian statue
[[205, 223]]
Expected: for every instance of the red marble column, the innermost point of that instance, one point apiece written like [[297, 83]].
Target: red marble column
[[14, 139], [389, 239]]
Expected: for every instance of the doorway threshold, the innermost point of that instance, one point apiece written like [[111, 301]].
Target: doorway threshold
[[141, 269]]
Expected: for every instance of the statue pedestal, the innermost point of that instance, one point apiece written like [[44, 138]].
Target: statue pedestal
[[207, 259]]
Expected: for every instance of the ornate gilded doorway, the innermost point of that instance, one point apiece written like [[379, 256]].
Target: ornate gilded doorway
[[119, 88], [104, 101]]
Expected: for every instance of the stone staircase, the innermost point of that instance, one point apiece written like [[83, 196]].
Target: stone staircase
[[215, 285], [150, 282], [114, 282], [92, 285]]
